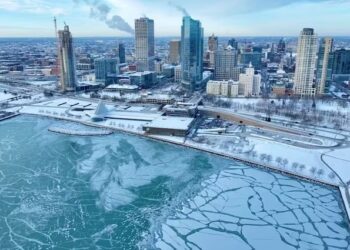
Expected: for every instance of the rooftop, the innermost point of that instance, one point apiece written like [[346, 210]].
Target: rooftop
[[169, 122]]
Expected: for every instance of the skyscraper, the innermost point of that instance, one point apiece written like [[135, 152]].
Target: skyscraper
[[305, 63], [253, 57], [324, 70], [66, 56], [144, 39], [213, 43], [174, 52], [225, 62], [191, 53], [281, 47], [121, 53], [233, 43]]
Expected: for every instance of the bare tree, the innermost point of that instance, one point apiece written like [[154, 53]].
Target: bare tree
[[269, 158], [331, 175], [279, 160], [320, 172], [254, 154], [313, 170], [302, 167], [295, 165], [285, 162], [262, 157]]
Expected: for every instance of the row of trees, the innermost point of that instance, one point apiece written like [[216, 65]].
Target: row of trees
[[306, 111]]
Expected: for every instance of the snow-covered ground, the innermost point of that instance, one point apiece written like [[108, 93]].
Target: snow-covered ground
[[4, 97]]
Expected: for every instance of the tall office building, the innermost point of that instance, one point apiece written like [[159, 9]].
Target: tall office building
[[144, 39], [324, 70], [281, 47], [105, 67], [191, 53], [213, 43], [253, 57], [225, 62], [121, 53], [67, 61], [174, 52], [305, 63]]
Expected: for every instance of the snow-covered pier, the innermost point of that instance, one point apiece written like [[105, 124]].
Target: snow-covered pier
[[7, 115], [79, 132]]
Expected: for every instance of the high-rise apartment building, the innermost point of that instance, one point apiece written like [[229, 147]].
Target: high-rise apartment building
[[121, 53], [341, 62], [191, 53], [174, 52], [305, 63], [144, 40], [225, 62], [324, 69], [213, 43], [67, 61]]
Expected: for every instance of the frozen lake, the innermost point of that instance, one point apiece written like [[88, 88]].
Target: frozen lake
[[125, 192]]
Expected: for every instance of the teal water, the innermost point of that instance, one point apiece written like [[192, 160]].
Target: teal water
[[115, 192]]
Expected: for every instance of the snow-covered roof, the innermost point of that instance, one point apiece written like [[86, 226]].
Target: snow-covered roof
[[169, 122], [122, 86]]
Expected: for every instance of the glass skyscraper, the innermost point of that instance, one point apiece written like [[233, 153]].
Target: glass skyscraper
[[121, 53], [191, 53], [324, 67]]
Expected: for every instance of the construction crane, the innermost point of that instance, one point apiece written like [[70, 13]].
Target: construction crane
[[58, 46]]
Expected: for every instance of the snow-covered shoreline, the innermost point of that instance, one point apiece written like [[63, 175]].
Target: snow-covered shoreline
[[181, 142]]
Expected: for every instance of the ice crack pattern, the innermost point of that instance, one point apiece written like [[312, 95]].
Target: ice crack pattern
[[124, 192]]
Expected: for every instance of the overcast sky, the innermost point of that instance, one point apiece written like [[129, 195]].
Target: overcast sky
[[29, 18]]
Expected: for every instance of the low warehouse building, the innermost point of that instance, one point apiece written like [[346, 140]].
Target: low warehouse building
[[169, 126]]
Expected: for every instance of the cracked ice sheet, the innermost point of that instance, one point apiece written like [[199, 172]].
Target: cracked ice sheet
[[256, 210]]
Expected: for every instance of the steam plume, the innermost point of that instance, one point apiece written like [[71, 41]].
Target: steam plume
[[100, 10], [179, 8]]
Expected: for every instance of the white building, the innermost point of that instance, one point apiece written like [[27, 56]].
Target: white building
[[159, 67], [246, 81], [256, 85], [223, 88], [249, 83], [144, 40], [214, 88], [305, 63], [234, 89]]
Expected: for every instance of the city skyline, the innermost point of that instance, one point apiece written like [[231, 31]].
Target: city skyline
[[237, 18]]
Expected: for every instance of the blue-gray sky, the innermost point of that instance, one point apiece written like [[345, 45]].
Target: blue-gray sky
[[223, 17]]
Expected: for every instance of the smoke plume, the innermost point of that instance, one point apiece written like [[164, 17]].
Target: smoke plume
[[179, 8], [101, 11]]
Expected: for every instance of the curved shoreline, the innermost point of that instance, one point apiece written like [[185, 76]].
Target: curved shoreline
[[252, 163]]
